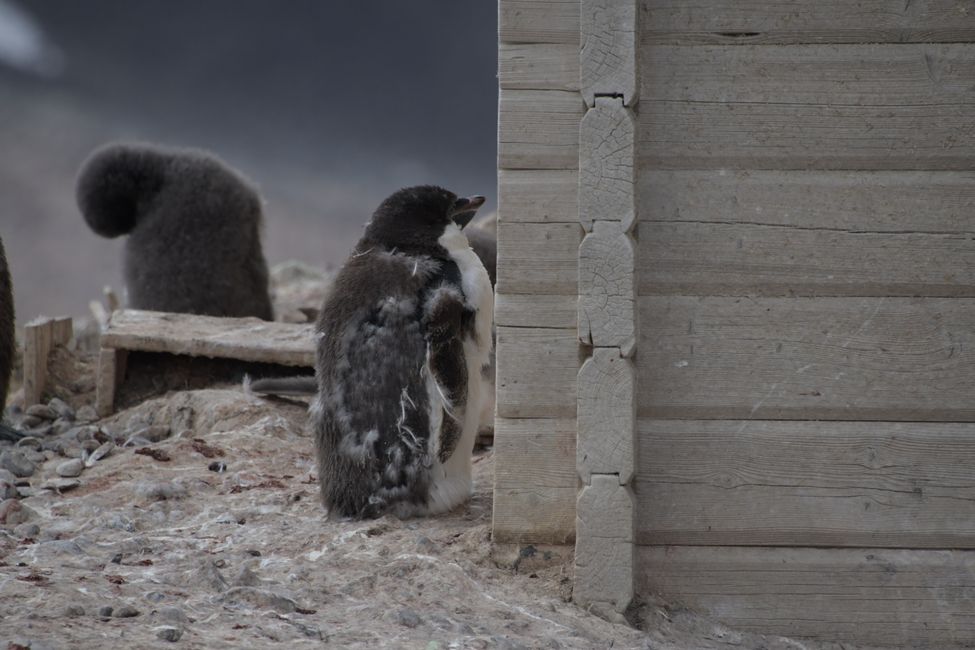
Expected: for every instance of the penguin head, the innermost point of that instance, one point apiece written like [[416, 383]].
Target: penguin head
[[416, 217]]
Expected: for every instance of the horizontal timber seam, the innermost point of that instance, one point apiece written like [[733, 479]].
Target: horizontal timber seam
[[606, 318]]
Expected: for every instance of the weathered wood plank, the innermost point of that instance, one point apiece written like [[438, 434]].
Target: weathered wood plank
[[871, 484], [757, 260], [827, 21], [41, 336], [604, 544], [808, 107], [609, 30], [535, 483], [905, 359], [537, 371], [538, 66], [538, 195], [539, 129], [606, 416], [882, 202], [535, 310], [607, 288], [538, 258], [111, 371], [539, 21], [246, 339], [607, 177], [888, 598]]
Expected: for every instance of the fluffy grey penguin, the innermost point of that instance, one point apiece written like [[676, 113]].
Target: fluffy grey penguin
[[8, 346], [193, 226], [402, 339]]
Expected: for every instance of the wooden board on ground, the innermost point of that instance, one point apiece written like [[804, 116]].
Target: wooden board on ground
[[535, 481], [882, 597], [904, 359], [870, 484], [246, 339]]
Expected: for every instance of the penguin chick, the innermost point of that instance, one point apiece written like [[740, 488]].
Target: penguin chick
[[8, 345], [485, 246], [193, 227], [402, 339]]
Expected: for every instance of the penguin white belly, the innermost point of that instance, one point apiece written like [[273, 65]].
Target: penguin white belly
[[450, 481]]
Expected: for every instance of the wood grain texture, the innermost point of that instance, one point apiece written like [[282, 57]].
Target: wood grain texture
[[538, 258], [865, 202], [537, 371], [606, 416], [111, 371], [609, 30], [881, 107], [246, 339], [538, 66], [539, 21], [828, 21], [757, 260], [535, 310], [539, 129], [755, 483], [538, 195], [535, 483], [41, 336], [604, 544], [607, 184], [607, 288], [887, 598], [903, 359]]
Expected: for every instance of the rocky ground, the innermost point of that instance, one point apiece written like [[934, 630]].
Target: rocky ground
[[192, 519]]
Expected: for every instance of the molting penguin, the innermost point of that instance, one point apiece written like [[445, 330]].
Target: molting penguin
[[402, 339], [193, 227], [8, 346]]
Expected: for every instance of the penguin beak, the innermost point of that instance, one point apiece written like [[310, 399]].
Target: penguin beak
[[464, 209]]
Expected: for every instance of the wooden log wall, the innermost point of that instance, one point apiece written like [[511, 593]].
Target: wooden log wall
[[805, 385], [807, 310]]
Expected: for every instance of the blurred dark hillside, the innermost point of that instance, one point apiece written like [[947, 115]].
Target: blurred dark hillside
[[326, 105]]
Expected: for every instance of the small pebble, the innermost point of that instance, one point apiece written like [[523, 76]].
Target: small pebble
[[12, 512], [125, 611], [173, 615], [70, 468], [42, 431], [217, 466], [169, 633], [61, 408], [34, 456], [408, 618], [105, 612], [61, 426], [86, 414], [155, 433], [104, 450], [155, 596], [61, 484], [74, 610], [30, 422], [27, 530], [29, 442], [16, 462], [83, 433], [42, 411]]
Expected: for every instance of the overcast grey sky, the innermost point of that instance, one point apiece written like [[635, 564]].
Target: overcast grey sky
[[328, 105]]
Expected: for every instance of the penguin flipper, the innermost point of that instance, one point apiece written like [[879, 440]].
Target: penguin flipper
[[9, 434]]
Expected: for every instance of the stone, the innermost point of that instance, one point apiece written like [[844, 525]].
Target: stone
[[16, 462], [103, 450], [61, 409], [169, 633], [70, 468], [60, 485], [408, 618], [86, 414], [29, 442], [126, 611], [27, 531], [31, 422], [105, 612], [42, 411], [12, 513], [72, 611]]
